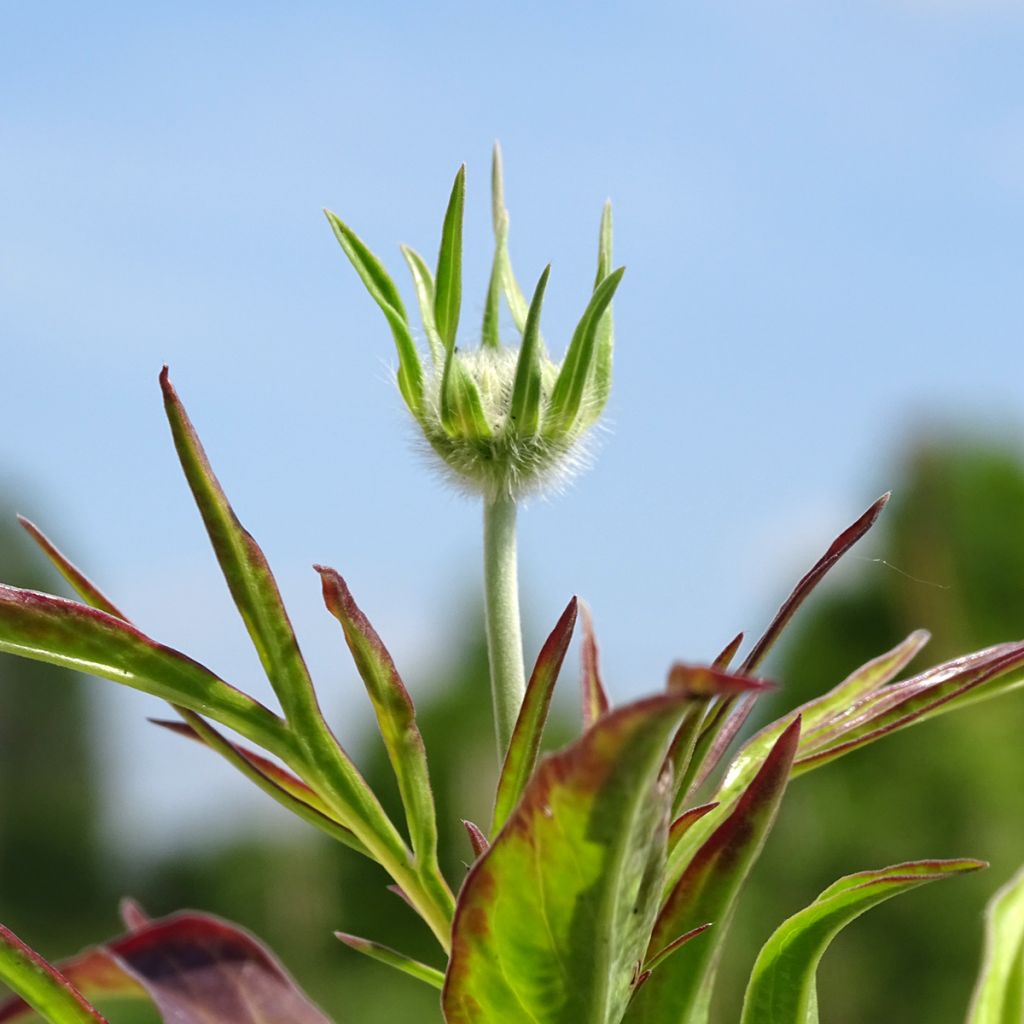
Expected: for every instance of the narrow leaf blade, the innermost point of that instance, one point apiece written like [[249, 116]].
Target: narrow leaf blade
[[595, 698], [999, 994], [448, 279], [604, 340], [524, 411], [423, 283], [399, 961]]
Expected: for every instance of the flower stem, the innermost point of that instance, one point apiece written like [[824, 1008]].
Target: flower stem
[[501, 603]]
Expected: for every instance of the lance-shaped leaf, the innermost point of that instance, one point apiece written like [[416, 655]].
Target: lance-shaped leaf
[[604, 341], [571, 384], [40, 985], [682, 824], [393, 958], [65, 633], [448, 278], [782, 984], [480, 843], [383, 291], [680, 990], [524, 412], [196, 969], [499, 215], [552, 922], [999, 994], [396, 716], [595, 699], [423, 283], [281, 785], [258, 599], [462, 411], [524, 746]]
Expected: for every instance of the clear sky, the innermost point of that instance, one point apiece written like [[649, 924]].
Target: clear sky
[[821, 206]]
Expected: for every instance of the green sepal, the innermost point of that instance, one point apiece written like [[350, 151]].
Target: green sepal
[[782, 983], [552, 922], [383, 291], [462, 411], [499, 215], [524, 746], [680, 990], [448, 278], [399, 961], [605, 335], [41, 985], [571, 386], [524, 410], [999, 994], [423, 285]]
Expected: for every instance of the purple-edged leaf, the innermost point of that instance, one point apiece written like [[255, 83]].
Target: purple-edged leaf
[[664, 954], [707, 890], [999, 993], [480, 843], [782, 983], [595, 699], [255, 592], [552, 923], [524, 746], [79, 582], [42, 987], [682, 824], [196, 969], [69, 634], [399, 961], [811, 579], [724, 659], [396, 718], [276, 782]]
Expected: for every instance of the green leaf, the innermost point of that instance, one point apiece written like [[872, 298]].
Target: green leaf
[[524, 746], [448, 279], [69, 634], [552, 923], [999, 994], [595, 699], [524, 411], [571, 385], [462, 411], [423, 283], [782, 984], [513, 293], [41, 985], [605, 334], [396, 718], [386, 955], [707, 890], [383, 291]]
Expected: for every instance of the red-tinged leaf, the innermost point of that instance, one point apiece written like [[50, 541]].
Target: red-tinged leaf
[[396, 718], [477, 839], [42, 986], [595, 699], [664, 954], [524, 745], [399, 961], [681, 825], [133, 917], [196, 969], [69, 634], [80, 583], [553, 921], [724, 659], [707, 890], [811, 579], [736, 712]]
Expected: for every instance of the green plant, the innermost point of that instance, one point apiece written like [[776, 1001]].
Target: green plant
[[603, 889]]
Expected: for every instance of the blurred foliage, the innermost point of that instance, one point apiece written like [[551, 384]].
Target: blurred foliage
[[953, 540]]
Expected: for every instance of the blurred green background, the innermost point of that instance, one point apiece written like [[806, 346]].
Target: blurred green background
[[949, 556]]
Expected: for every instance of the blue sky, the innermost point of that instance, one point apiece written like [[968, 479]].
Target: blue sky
[[821, 207]]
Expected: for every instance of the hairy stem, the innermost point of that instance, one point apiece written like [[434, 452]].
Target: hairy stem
[[504, 632]]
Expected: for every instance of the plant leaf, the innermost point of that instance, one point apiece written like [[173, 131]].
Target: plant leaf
[[524, 411], [999, 994], [604, 340], [571, 384], [41, 985], [396, 718], [707, 890], [477, 839], [386, 955], [782, 984], [499, 214], [448, 279], [595, 699], [524, 745], [462, 411], [423, 283], [65, 633], [383, 291], [552, 922]]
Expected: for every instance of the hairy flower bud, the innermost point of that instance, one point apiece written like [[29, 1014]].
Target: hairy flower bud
[[505, 421]]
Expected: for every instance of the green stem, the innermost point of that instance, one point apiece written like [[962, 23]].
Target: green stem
[[501, 603]]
